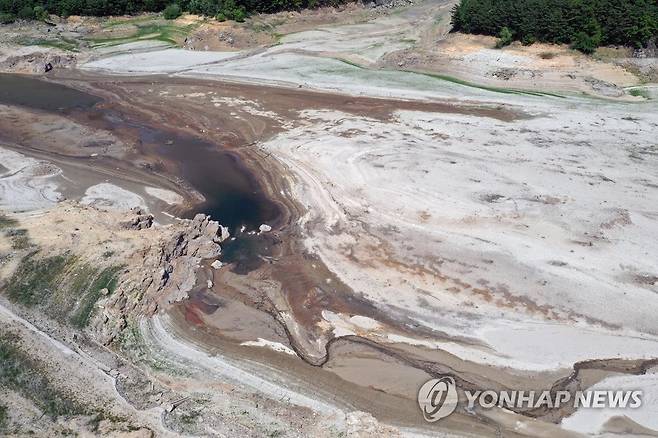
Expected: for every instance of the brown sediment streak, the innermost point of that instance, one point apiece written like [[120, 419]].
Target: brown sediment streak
[[573, 383], [570, 383], [293, 99], [191, 314]]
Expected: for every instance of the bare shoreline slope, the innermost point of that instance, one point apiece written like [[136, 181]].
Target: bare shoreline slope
[[501, 235]]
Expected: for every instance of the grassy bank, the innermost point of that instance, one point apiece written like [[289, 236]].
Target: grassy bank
[[20, 373], [65, 287], [143, 30]]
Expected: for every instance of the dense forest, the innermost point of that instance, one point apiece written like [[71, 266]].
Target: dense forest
[[223, 9], [585, 24]]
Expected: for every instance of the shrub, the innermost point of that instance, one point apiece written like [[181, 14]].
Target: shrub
[[229, 10], [7, 18], [4, 416], [220, 17], [40, 13], [528, 40], [203, 7], [639, 92], [172, 12], [504, 37], [26, 13], [584, 43], [71, 7], [239, 15], [6, 222]]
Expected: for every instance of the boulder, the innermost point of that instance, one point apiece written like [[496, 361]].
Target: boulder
[[140, 220]]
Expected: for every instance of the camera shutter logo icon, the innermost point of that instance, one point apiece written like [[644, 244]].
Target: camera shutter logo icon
[[438, 398]]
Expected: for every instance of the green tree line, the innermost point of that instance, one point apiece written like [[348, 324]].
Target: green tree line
[[585, 24], [227, 9]]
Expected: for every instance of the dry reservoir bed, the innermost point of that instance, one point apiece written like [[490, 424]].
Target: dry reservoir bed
[[412, 228]]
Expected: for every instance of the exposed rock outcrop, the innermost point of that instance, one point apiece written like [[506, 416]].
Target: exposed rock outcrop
[[389, 4], [168, 272], [200, 239], [34, 62], [141, 220]]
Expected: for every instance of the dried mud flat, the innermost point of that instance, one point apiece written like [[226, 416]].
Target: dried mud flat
[[412, 227]]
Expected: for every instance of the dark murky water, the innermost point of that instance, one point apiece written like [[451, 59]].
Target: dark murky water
[[233, 196], [248, 251], [33, 93]]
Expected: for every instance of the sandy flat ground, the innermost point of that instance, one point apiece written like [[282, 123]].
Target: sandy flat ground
[[161, 61], [463, 221], [593, 421], [26, 183]]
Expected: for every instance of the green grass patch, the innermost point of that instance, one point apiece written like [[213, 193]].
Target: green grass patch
[[107, 279], [100, 416], [140, 19], [190, 417], [261, 27], [67, 44], [22, 374], [132, 344], [4, 417], [277, 38], [6, 222], [639, 92], [166, 32], [19, 238], [457, 81], [65, 288], [485, 87], [348, 62], [36, 279]]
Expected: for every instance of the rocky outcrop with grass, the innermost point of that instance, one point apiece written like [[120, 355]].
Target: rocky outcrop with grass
[[102, 293]]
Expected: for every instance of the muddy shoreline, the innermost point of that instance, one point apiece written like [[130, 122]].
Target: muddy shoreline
[[152, 148]]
